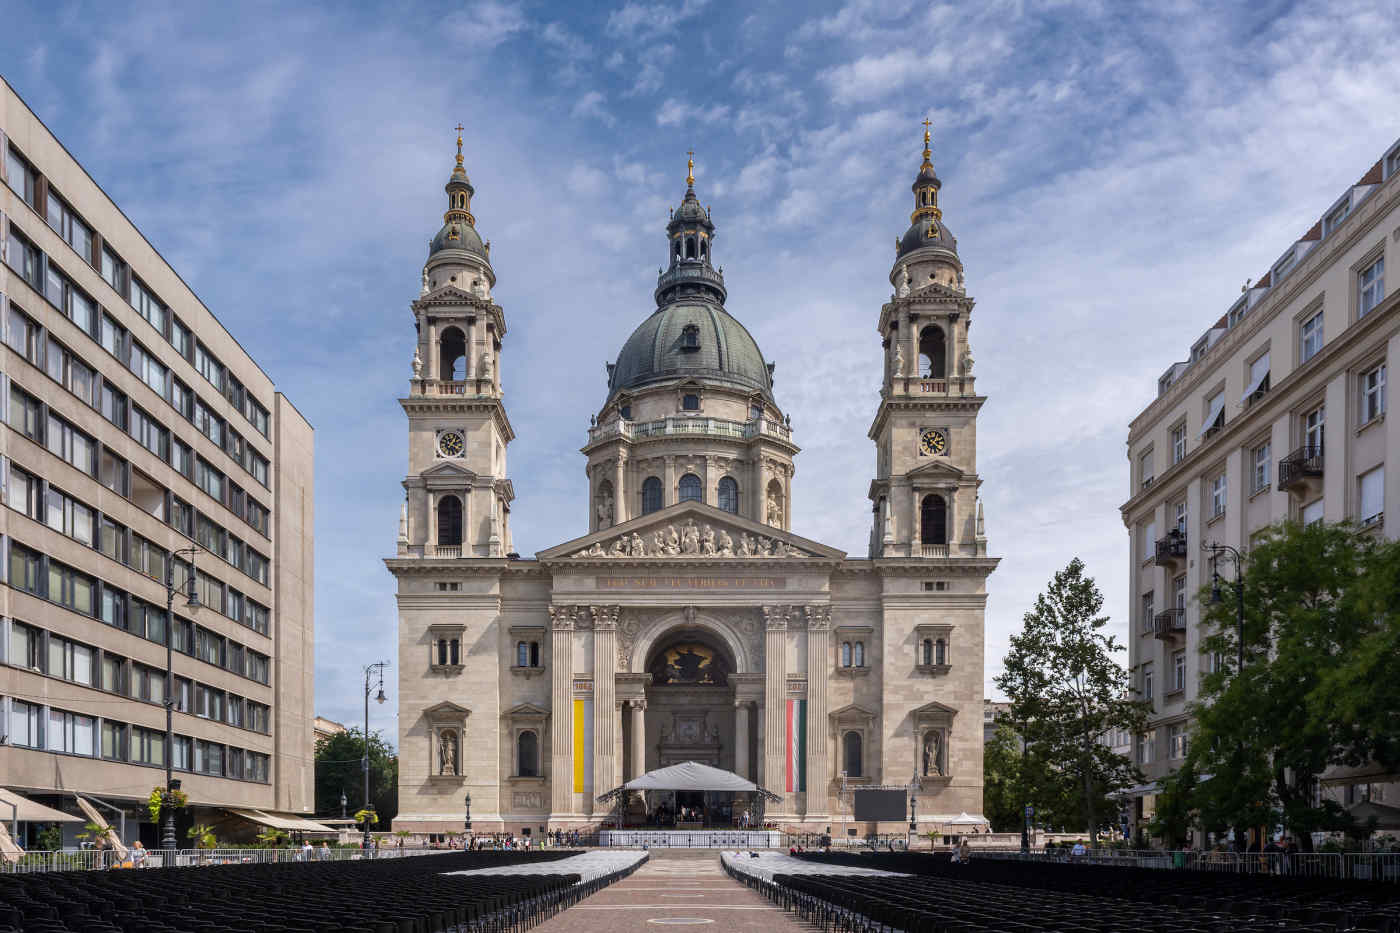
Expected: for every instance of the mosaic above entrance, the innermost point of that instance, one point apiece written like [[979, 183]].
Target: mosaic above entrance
[[691, 539], [688, 663]]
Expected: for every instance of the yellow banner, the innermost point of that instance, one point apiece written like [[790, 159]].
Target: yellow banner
[[579, 766]]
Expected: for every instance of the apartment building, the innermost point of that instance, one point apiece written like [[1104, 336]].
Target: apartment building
[[135, 427], [1278, 412]]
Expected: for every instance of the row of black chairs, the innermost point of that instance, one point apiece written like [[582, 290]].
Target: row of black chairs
[[939, 896], [413, 895]]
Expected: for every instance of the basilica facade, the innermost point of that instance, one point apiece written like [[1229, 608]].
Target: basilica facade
[[690, 622]]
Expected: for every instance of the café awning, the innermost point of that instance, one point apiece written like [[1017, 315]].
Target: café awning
[[286, 822], [31, 812]]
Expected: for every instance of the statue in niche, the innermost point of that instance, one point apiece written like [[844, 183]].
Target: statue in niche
[[485, 371], [707, 541], [933, 754], [425, 283], [417, 363], [775, 508], [725, 546], [903, 290], [898, 359], [605, 509], [967, 361], [447, 752]]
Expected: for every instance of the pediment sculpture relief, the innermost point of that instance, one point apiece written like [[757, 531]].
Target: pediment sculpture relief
[[691, 539]]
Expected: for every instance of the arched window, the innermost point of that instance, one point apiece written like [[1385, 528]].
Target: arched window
[[928, 651], [933, 362], [534, 654], [522, 654], [528, 754], [651, 495], [704, 249], [690, 338], [676, 249], [933, 520], [690, 247], [454, 651], [850, 754], [940, 652], [690, 488], [453, 355], [449, 518], [729, 495], [859, 655], [845, 654], [690, 402]]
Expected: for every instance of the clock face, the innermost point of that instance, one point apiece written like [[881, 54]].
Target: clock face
[[450, 443], [932, 442]]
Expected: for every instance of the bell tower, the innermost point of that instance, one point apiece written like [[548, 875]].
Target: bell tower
[[457, 497], [924, 496]]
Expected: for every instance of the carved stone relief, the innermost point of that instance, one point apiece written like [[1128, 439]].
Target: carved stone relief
[[691, 539]]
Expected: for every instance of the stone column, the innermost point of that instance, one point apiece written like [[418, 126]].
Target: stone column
[[639, 738], [619, 496], [431, 369], [669, 495], [741, 738], [774, 693], [818, 668], [605, 711], [561, 664], [911, 348]]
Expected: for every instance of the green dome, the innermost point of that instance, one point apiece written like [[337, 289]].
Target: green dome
[[457, 234], [719, 351]]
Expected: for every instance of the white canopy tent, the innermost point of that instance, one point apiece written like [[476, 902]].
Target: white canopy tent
[[690, 775]]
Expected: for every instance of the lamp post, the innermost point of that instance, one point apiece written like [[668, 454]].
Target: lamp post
[[371, 670], [343, 804], [167, 803], [913, 809], [1216, 551], [468, 804]]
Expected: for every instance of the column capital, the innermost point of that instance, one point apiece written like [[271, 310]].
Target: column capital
[[775, 618], [604, 617], [561, 618], [818, 616], [637, 705]]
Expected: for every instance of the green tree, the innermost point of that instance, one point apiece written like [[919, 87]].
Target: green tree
[[1175, 813], [338, 769], [1317, 630], [1001, 780], [1066, 690]]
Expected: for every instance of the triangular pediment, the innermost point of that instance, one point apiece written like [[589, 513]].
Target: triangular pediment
[[448, 294], [691, 531], [937, 290], [936, 468], [448, 468], [851, 711], [446, 710], [933, 708], [527, 711]]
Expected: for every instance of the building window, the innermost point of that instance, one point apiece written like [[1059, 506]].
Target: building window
[[1179, 670], [1219, 495], [1149, 541], [933, 520], [1310, 337], [690, 488], [1260, 457], [928, 652], [1179, 443], [1339, 214], [1180, 510], [71, 733], [1372, 394], [1179, 592], [845, 654], [1313, 429], [1311, 513], [729, 495], [1372, 496], [1145, 474], [940, 652], [1148, 609], [528, 754], [1147, 685], [651, 495], [20, 176], [522, 654], [1371, 286], [851, 756], [1215, 416], [449, 519], [932, 353], [690, 402], [1177, 740]]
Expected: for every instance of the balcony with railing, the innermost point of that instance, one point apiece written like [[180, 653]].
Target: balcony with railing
[[1172, 548], [445, 551], [933, 550], [1301, 465], [682, 426], [1169, 623]]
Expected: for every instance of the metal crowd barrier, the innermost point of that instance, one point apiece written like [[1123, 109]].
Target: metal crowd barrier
[[103, 859], [1355, 866]]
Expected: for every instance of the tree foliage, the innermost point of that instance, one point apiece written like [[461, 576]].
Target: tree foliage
[[1066, 690], [338, 769], [1001, 780], [1319, 685]]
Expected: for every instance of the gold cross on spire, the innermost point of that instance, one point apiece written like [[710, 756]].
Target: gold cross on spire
[[927, 138], [459, 144], [690, 168]]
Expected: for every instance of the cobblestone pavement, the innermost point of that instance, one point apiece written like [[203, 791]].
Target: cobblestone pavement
[[672, 893]]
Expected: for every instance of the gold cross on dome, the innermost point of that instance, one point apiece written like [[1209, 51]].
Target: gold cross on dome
[[927, 136], [459, 143], [690, 167]]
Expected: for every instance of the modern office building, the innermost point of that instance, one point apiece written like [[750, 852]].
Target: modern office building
[[135, 427], [688, 621], [1279, 412]]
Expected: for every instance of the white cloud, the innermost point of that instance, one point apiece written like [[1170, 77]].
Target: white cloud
[[486, 23], [591, 105], [643, 20], [674, 112]]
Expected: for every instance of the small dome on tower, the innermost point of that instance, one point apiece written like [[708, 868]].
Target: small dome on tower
[[926, 227], [458, 225]]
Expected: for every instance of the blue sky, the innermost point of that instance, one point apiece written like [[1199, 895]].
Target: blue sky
[[1113, 171]]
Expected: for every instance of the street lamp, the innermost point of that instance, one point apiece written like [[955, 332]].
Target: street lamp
[[167, 838], [913, 808], [469, 818], [377, 668], [1218, 550], [343, 804]]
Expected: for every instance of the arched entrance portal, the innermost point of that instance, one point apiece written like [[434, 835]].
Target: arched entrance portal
[[690, 716]]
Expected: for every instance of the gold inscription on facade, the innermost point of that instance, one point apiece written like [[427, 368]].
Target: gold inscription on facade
[[691, 583]]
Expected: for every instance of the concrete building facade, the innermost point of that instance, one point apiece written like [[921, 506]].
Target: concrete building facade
[[1278, 413], [689, 621], [136, 426]]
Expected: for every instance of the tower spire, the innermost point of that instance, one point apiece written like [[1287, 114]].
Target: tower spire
[[690, 169], [459, 148]]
